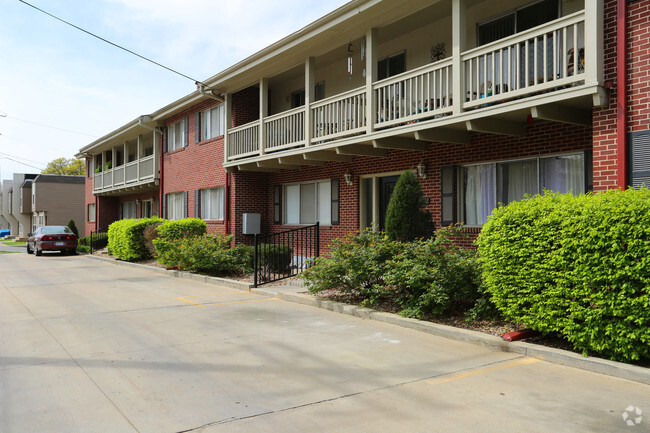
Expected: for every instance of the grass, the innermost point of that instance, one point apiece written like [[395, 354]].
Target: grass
[[14, 244], [9, 252]]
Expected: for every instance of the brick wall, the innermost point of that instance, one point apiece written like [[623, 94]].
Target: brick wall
[[245, 106]]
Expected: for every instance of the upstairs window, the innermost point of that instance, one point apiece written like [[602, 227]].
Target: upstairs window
[[517, 20], [177, 135], [212, 122], [391, 65]]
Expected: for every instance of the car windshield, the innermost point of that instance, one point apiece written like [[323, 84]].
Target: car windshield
[[49, 230]]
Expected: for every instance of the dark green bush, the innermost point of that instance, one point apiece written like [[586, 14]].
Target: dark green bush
[[275, 257], [72, 226], [126, 239], [405, 220], [100, 240], [169, 231], [575, 266]]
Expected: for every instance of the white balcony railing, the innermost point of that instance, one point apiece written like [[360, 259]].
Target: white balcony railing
[[140, 170], [543, 59], [339, 116], [284, 130], [420, 93], [533, 61]]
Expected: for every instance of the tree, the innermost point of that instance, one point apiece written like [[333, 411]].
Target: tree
[[72, 226], [67, 166], [405, 220]]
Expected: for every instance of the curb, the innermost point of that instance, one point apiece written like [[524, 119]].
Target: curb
[[548, 354]]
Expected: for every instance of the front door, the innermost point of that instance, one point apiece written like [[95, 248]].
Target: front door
[[386, 187]]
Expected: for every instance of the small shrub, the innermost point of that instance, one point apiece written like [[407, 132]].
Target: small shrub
[[100, 240], [83, 248], [405, 220], [73, 227], [126, 238], [275, 257], [169, 231]]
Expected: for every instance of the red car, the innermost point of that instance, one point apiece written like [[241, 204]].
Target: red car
[[52, 238]]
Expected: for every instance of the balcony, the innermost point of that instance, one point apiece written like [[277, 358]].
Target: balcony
[[549, 72]]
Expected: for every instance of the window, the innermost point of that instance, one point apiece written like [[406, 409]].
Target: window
[[91, 212], [391, 65], [34, 223], [307, 203], [485, 185], [146, 209], [212, 122], [177, 135], [298, 98], [212, 204], [129, 210], [177, 206], [516, 21]]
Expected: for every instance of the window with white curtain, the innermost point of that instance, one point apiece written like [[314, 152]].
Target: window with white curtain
[[213, 203], [307, 203], [176, 206], [176, 136], [483, 186], [212, 122], [129, 210]]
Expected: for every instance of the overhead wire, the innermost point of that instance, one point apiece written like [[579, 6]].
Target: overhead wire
[[49, 126]]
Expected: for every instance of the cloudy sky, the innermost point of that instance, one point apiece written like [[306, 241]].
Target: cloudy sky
[[61, 89]]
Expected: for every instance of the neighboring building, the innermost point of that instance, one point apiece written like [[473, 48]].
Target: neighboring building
[[4, 224], [487, 100], [55, 200], [7, 190], [21, 228]]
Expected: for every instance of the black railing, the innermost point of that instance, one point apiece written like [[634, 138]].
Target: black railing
[[285, 254], [93, 233]]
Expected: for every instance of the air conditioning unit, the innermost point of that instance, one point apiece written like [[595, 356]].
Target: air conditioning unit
[[251, 223]]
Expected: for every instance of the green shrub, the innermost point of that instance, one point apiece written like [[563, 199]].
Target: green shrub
[[100, 240], [72, 226], [83, 248], [576, 266], [274, 257], [405, 220], [169, 231], [126, 239]]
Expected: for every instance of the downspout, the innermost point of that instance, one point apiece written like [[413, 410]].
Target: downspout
[[209, 93], [621, 91], [226, 221]]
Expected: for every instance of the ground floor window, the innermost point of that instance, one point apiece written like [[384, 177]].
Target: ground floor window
[[146, 209], [483, 186], [91, 212], [177, 206], [306, 203], [213, 203], [129, 210]]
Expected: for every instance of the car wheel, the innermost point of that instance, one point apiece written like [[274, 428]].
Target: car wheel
[[29, 250], [38, 252], [73, 251]]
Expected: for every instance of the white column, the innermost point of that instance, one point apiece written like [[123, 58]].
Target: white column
[[371, 77], [458, 40], [264, 112], [228, 124], [310, 83], [593, 37]]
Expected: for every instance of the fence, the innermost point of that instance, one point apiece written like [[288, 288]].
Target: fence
[[285, 254]]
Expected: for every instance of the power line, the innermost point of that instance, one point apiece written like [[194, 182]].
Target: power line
[[49, 126], [112, 43], [2, 154], [18, 162]]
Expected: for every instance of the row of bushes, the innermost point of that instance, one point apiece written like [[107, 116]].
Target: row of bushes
[[100, 240], [424, 277]]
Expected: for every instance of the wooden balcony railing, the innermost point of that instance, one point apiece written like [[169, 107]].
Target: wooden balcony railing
[[140, 170]]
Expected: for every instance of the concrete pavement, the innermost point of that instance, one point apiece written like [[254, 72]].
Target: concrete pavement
[[89, 346]]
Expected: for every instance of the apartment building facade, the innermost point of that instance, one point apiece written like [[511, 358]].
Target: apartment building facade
[[485, 100], [55, 200]]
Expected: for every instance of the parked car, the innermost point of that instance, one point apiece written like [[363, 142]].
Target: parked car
[[52, 238]]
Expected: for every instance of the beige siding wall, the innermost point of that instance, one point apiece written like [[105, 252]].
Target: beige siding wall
[[61, 202]]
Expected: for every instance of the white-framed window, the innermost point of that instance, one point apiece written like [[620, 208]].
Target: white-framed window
[[212, 122], [176, 206], [91, 212], [483, 186], [213, 203], [146, 208], [306, 203], [177, 135], [34, 222], [129, 210]]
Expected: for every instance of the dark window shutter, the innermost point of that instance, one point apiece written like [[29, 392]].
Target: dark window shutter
[[197, 203], [277, 204], [197, 127], [639, 145], [186, 138], [589, 170], [164, 206], [165, 137], [336, 202], [448, 195], [187, 204]]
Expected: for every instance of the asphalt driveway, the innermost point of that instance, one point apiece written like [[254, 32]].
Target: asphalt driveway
[[89, 346]]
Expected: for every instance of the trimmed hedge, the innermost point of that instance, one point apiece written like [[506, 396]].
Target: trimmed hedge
[[169, 232], [576, 266], [126, 239]]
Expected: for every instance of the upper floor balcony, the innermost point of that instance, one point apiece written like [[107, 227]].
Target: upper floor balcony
[[127, 167], [402, 91]]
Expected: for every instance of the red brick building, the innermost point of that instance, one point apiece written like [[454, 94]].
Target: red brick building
[[485, 100]]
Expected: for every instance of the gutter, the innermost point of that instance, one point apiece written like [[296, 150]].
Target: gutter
[[621, 92]]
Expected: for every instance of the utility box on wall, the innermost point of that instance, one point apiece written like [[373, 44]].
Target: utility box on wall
[[251, 223]]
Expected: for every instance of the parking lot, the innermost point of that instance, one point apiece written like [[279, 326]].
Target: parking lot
[[90, 346]]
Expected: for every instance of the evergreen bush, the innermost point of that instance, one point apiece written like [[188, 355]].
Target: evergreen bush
[[72, 226], [405, 220]]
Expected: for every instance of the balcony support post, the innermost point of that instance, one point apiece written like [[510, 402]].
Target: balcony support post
[[139, 144], [371, 77], [226, 142], [593, 40], [310, 83], [458, 39], [264, 112]]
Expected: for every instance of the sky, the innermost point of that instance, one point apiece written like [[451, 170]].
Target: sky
[[61, 89]]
